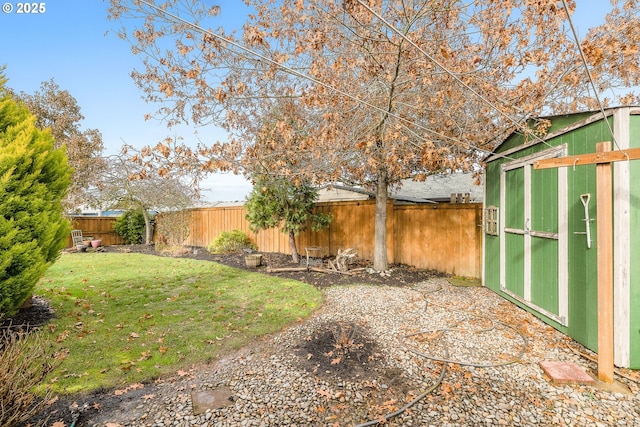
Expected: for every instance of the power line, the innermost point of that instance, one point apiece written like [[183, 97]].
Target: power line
[[590, 77], [316, 81], [449, 72]]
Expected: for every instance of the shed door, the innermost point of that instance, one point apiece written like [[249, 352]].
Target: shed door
[[533, 249]]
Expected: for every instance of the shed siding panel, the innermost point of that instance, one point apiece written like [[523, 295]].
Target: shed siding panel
[[515, 202], [544, 200], [544, 278], [514, 268]]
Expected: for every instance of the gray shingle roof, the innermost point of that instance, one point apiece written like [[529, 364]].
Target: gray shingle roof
[[437, 188]]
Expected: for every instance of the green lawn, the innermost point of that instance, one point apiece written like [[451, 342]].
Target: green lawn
[[126, 318]]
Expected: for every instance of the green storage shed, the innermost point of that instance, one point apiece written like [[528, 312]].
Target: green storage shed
[[540, 227]]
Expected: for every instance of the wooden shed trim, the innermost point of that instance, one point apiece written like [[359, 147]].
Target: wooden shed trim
[[622, 243]]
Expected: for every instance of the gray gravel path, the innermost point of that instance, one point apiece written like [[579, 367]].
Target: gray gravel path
[[275, 382]]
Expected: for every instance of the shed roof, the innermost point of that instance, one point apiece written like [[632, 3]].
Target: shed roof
[[560, 124]]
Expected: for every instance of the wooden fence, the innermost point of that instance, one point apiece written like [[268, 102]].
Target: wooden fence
[[100, 227], [444, 237]]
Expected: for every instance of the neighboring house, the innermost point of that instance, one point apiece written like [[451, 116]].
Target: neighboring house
[[537, 252], [86, 211], [436, 189], [231, 204]]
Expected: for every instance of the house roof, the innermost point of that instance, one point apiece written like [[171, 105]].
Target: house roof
[[436, 188]]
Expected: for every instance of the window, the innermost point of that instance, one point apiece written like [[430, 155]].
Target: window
[[491, 220]]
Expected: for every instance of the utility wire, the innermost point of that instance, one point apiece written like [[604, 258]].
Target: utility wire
[[316, 81], [586, 67], [449, 72]]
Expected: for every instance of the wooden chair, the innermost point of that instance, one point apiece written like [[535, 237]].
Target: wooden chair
[[78, 241]]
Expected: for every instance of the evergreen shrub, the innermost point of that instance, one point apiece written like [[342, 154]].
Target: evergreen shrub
[[230, 241], [130, 226], [33, 180]]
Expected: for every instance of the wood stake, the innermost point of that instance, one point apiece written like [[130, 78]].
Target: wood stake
[[286, 269], [605, 265]]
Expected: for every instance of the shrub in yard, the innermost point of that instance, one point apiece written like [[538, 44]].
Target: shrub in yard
[[230, 241], [282, 202], [173, 228], [33, 180], [24, 364], [130, 226]]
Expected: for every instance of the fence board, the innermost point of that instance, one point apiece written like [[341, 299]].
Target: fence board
[[444, 237], [100, 227]]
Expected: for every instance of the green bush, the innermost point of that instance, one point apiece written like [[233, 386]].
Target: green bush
[[230, 241], [33, 180], [130, 226]]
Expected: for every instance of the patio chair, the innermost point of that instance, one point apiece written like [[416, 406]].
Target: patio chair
[[78, 240]]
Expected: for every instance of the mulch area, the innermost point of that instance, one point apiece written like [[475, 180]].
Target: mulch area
[[398, 274], [40, 312]]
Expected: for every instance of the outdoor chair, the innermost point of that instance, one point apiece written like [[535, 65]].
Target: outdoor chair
[[78, 240]]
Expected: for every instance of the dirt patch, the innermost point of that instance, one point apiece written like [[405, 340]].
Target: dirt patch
[[37, 313], [340, 349]]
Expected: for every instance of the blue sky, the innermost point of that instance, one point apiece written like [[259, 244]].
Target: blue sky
[[69, 42]]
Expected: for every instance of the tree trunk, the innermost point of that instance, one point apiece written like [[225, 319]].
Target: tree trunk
[[294, 248], [148, 232], [380, 262]]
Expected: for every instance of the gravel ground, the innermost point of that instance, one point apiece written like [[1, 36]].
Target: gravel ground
[[380, 356]]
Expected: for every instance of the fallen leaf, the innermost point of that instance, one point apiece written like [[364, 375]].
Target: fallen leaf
[[62, 336], [148, 396], [58, 424], [446, 388], [324, 393], [335, 361]]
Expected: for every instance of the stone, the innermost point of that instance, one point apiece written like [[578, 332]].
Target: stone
[[565, 373], [211, 399]]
